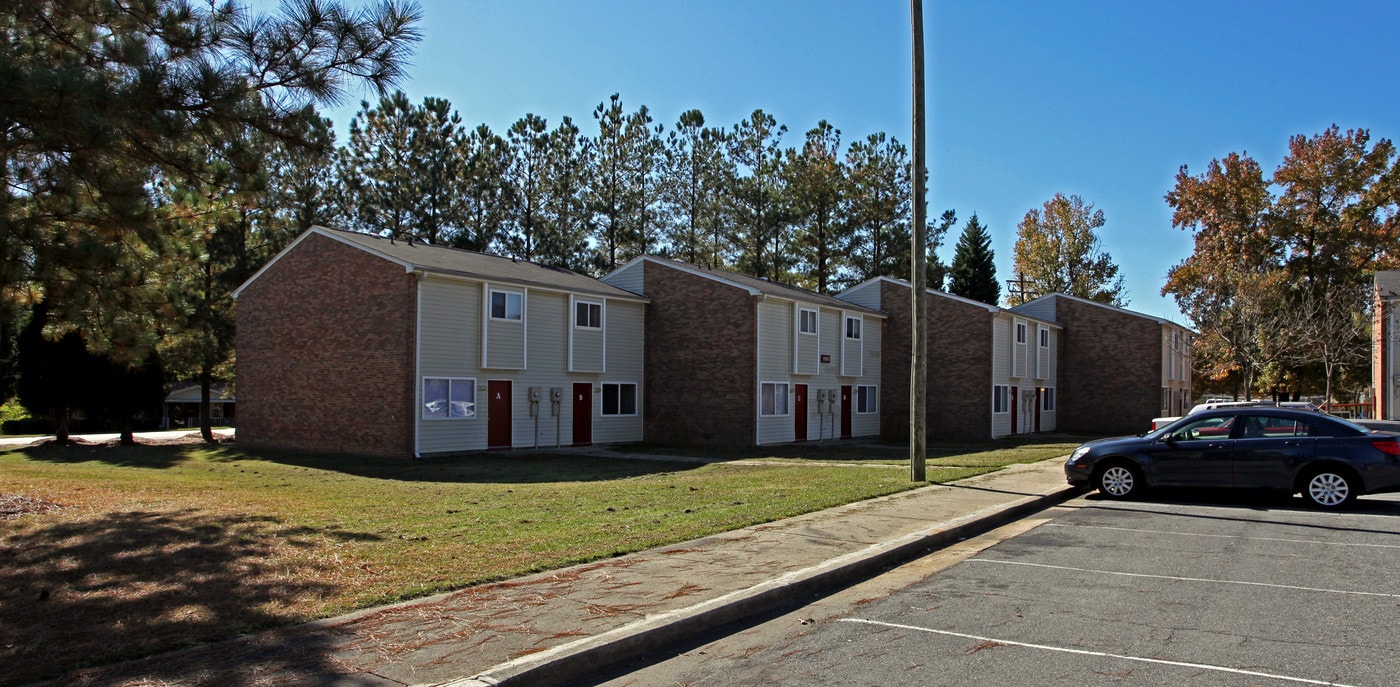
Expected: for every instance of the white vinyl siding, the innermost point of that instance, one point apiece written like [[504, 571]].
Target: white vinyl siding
[[453, 319], [1020, 348], [806, 340], [449, 342], [852, 345], [504, 338], [587, 341], [623, 322]]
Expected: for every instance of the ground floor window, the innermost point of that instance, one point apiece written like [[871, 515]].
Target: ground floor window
[[773, 399], [619, 398], [1047, 399], [867, 399], [1001, 398], [449, 398], [1166, 400]]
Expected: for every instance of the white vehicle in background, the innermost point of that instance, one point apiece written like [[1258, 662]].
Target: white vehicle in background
[[1160, 422]]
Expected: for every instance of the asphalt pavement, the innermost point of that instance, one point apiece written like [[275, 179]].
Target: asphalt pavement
[[565, 625]]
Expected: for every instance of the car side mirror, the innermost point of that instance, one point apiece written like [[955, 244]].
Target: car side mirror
[[1167, 439]]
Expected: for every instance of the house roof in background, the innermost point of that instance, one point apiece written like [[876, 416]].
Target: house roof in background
[[455, 262]]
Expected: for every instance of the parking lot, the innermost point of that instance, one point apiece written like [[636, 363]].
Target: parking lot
[[1175, 589]]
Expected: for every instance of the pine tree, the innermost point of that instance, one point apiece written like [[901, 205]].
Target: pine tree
[[758, 197], [103, 104], [694, 180], [816, 181], [974, 273]]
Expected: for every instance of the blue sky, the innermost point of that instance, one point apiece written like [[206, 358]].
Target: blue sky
[[1025, 99]]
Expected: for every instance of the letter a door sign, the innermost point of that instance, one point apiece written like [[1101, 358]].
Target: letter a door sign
[[498, 395]]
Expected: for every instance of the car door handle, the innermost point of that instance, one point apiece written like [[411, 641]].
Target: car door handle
[[1293, 443]]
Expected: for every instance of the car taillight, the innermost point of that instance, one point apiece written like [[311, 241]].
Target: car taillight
[[1391, 446]]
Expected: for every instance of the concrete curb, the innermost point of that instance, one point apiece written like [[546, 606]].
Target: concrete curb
[[590, 655]]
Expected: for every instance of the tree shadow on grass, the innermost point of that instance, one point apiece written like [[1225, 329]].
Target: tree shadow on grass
[[511, 467], [112, 453], [126, 585]]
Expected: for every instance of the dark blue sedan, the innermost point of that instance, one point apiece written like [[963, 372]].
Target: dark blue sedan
[[1328, 460]]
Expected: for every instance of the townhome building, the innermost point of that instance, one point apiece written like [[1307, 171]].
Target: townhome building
[[353, 343], [991, 372], [1118, 368], [735, 360]]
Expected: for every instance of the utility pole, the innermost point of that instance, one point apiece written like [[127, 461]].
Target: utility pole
[[918, 374]]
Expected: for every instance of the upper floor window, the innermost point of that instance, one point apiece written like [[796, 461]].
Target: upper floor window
[[808, 325], [505, 305], [1044, 338], [852, 327], [1020, 332], [588, 315]]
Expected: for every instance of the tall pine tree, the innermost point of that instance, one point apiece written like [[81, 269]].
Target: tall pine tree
[[974, 273]]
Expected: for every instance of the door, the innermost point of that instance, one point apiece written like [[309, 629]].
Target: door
[[1038, 403], [1270, 450], [583, 414], [799, 413], [1015, 426], [498, 410], [1199, 454], [846, 412]]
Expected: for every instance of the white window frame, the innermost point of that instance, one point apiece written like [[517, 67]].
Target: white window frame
[[1001, 398], [619, 386], [857, 319], [1044, 336], [780, 396], [867, 399], [466, 384], [1047, 399], [592, 306], [802, 321], [1021, 330], [491, 305]]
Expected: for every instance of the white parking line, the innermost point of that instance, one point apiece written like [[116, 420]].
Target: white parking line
[[1184, 579], [1227, 536], [1104, 654]]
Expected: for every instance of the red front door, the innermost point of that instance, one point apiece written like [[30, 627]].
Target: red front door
[[799, 413], [498, 409], [1038, 391], [1015, 428], [845, 412], [583, 414]]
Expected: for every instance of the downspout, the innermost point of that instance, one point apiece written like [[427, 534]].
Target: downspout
[[417, 363]]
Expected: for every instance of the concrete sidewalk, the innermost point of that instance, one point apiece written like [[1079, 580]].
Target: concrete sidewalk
[[563, 625]]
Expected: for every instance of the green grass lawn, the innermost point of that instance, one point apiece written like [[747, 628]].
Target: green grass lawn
[[155, 547]]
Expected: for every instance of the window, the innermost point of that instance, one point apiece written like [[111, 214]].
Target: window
[[808, 324], [853, 328], [1166, 399], [619, 398], [1020, 332], [773, 399], [1044, 338], [448, 398], [867, 399], [1047, 399], [505, 305], [588, 315], [1001, 399]]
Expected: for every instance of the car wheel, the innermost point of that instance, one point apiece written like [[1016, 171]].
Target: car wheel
[[1119, 481], [1328, 488]]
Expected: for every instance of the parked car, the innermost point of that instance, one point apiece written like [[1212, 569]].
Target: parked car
[[1160, 422], [1330, 461]]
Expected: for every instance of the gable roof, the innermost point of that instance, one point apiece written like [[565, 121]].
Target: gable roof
[[1031, 303], [456, 262], [755, 286], [993, 309]]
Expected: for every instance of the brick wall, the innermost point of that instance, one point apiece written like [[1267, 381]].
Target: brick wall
[[1110, 376], [701, 349], [959, 367], [325, 353]]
